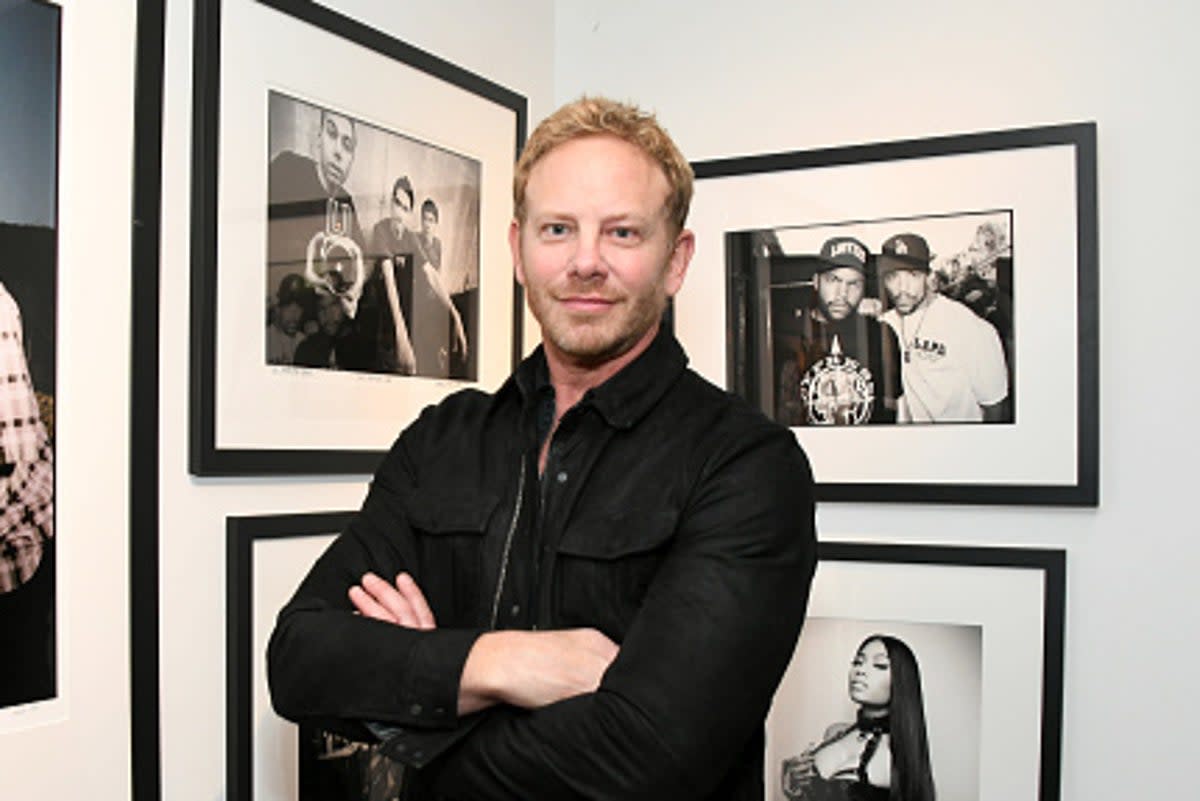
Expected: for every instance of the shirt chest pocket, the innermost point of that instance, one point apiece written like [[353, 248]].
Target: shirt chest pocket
[[604, 567], [449, 541]]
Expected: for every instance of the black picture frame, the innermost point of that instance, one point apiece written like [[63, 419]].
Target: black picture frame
[[209, 454], [998, 719], [245, 534], [910, 179]]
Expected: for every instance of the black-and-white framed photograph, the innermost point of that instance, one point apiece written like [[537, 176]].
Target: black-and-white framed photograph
[[953, 690], [922, 313], [268, 757], [30, 631], [349, 256]]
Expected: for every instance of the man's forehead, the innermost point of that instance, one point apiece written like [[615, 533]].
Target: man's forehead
[[844, 273], [342, 123], [598, 173]]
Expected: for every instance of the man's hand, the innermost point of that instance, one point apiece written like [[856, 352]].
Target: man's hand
[[402, 603], [531, 669]]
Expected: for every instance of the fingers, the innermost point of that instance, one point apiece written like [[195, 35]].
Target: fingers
[[411, 593], [367, 606], [402, 605], [391, 599]]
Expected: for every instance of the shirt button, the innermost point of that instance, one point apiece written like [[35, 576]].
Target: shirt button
[[516, 610], [562, 477], [415, 710]]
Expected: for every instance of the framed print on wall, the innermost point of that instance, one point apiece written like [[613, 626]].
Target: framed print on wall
[[266, 756], [349, 259], [922, 313], [31, 661], [961, 681]]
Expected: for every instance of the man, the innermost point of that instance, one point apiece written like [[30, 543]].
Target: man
[[589, 584], [294, 302], [312, 226], [842, 367], [952, 368], [415, 325], [430, 242]]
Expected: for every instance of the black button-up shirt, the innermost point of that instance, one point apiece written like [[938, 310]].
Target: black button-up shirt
[[670, 516]]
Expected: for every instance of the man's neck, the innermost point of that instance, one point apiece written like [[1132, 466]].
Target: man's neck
[[572, 379]]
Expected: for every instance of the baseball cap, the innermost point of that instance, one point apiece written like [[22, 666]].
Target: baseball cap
[[844, 251], [904, 252]]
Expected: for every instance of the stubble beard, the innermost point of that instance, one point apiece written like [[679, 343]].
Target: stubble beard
[[914, 303], [590, 340]]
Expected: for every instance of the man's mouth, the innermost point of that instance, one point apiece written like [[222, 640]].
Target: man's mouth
[[586, 303]]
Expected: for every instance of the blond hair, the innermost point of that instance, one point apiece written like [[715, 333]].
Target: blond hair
[[595, 116]]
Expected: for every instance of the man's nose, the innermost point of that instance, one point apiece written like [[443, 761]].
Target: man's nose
[[588, 261]]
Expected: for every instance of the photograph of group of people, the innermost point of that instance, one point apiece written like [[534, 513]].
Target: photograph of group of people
[[372, 247], [884, 322], [878, 710]]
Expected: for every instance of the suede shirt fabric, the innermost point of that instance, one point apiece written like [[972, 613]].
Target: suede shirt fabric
[[670, 515]]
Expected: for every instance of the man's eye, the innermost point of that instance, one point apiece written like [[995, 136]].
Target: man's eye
[[624, 233], [555, 229]]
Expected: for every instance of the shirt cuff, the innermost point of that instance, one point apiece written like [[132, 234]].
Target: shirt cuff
[[434, 673]]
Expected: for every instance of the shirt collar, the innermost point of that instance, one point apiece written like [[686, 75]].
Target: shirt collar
[[624, 398]]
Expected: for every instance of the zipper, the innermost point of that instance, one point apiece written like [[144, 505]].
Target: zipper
[[508, 540]]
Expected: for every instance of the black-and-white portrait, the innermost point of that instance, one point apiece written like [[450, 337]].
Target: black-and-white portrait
[[884, 322], [372, 247], [878, 710], [28, 276], [333, 768]]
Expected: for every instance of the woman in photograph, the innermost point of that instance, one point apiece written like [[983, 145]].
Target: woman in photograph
[[884, 754]]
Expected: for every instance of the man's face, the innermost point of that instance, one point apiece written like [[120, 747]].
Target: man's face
[[840, 290], [402, 208], [330, 315], [597, 254], [336, 148], [290, 315], [906, 288], [428, 224]]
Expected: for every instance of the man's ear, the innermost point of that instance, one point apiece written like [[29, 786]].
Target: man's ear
[[677, 265], [514, 245]]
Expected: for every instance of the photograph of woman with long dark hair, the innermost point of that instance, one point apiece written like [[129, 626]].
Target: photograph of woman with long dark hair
[[883, 755]]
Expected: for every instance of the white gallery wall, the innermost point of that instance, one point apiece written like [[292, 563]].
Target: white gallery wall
[[743, 78]]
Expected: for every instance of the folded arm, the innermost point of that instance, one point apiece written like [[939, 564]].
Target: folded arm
[[693, 680], [326, 662]]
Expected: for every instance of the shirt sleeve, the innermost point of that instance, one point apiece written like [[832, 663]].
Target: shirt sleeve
[[689, 691], [331, 667], [989, 380]]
